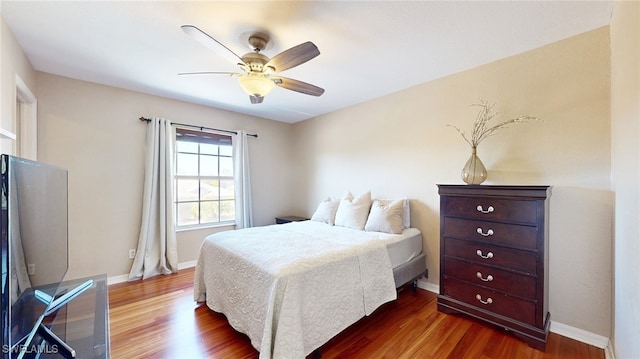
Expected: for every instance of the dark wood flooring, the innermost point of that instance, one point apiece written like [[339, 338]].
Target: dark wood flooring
[[157, 318]]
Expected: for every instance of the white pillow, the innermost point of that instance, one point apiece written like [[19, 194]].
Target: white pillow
[[406, 215], [326, 211], [386, 217], [353, 212]]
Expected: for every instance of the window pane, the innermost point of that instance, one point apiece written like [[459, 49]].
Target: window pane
[[226, 189], [208, 165], [183, 146], [227, 210], [186, 189], [188, 213], [208, 149], [210, 212], [209, 190], [202, 197], [226, 166], [187, 164], [226, 151]]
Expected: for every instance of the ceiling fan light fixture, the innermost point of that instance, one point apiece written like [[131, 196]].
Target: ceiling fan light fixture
[[256, 84], [260, 73]]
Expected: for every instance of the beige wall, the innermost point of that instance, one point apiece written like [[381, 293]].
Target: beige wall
[[399, 145], [94, 132], [13, 62], [625, 118]]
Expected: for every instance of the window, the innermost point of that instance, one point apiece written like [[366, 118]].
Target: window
[[204, 186]]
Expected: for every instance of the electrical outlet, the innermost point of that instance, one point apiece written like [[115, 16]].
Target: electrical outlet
[[132, 253], [31, 269]]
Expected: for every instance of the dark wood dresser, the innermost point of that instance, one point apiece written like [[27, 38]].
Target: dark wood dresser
[[494, 256]]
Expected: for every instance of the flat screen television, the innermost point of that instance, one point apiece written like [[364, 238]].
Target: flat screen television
[[34, 231]]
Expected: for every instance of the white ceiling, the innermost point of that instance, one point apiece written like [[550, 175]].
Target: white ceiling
[[368, 48]]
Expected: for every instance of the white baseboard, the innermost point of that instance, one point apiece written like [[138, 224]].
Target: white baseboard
[[423, 284], [117, 279], [189, 264], [125, 277], [580, 335], [609, 353]]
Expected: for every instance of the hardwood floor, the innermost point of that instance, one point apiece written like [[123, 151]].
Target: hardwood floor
[[157, 318]]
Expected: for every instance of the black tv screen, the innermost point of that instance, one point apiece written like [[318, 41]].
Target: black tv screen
[[34, 247]]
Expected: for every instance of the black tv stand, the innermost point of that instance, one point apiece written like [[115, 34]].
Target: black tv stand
[[53, 341], [77, 326]]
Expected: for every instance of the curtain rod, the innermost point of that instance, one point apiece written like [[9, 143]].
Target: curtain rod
[[202, 127]]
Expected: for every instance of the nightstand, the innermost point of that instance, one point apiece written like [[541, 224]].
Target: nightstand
[[287, 219]]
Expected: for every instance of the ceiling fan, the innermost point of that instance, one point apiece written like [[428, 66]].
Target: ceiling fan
[[259, 72]]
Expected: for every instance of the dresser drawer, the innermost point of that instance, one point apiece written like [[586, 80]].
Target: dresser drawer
[[508, 258], [495, 209], [505, 281], [512, 235], [502, 304]]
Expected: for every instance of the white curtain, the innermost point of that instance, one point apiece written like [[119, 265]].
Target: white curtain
[[242, 180], [157, 248]]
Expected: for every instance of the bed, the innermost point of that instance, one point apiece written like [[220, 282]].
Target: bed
[[292, 287]]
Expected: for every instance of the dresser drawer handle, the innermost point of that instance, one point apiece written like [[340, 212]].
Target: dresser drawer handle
[[489, 232], [489, 254], [488, 279], [488, 301], [488, 210]]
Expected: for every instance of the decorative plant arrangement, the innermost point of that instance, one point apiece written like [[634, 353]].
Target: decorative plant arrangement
[[474, 171]]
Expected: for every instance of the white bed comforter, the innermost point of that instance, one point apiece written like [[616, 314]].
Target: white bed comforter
[[293, 287]]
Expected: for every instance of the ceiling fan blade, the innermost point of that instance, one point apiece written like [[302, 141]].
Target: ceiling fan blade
[[208, 41], [298, 86], [293, 57], [256, 99], [209, 73]]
